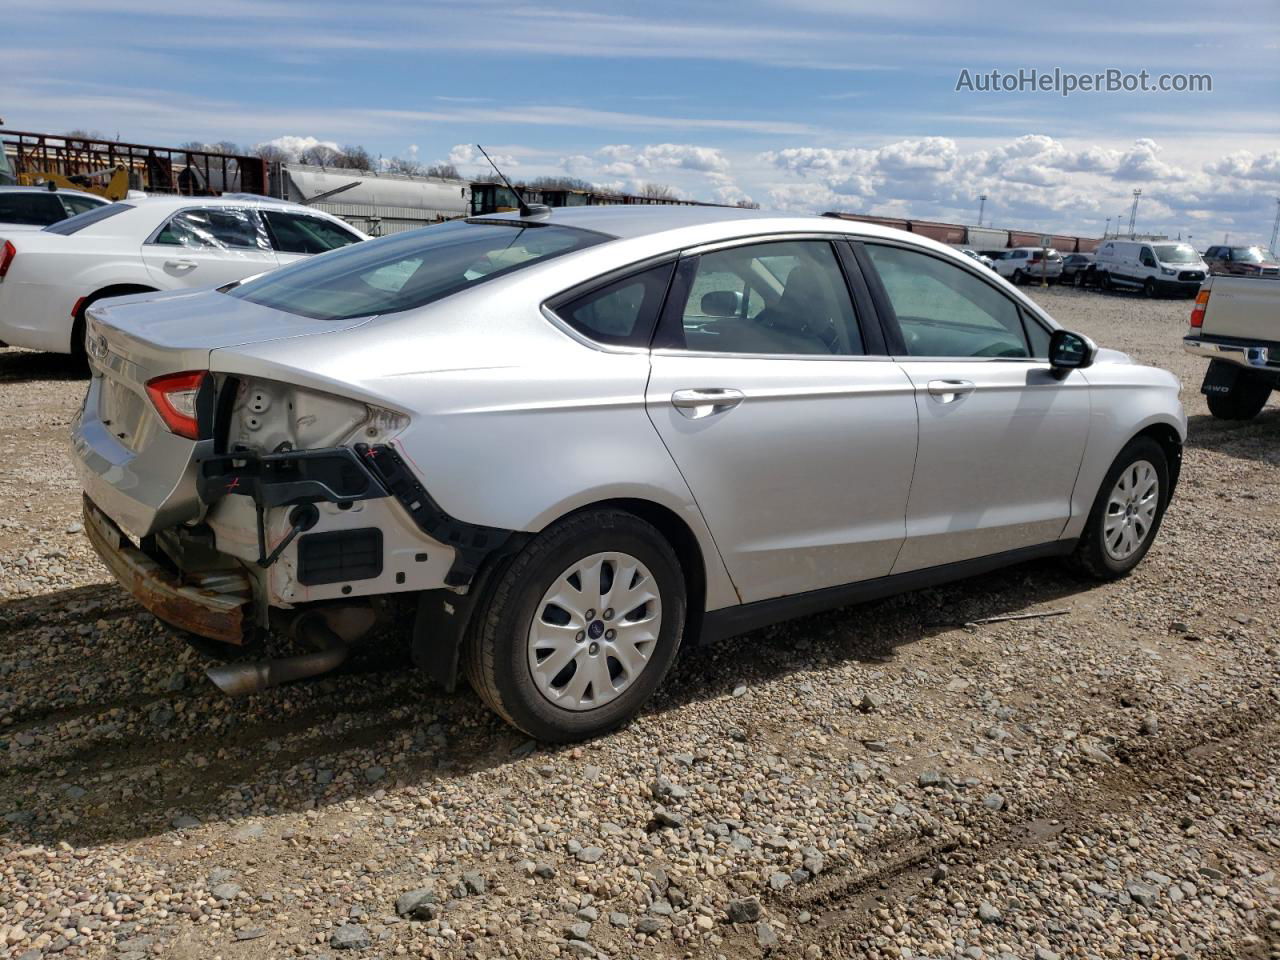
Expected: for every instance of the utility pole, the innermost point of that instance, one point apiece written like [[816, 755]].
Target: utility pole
[[982, 205], [1133, 212], [1107, 229], [1275, 229]]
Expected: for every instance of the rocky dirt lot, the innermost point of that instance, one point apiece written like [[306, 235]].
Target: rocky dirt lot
[[880, 781]]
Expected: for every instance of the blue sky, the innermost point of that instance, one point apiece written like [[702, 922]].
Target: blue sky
[[796, 104]]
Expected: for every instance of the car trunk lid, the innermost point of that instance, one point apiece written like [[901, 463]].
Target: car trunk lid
[[119, 435]]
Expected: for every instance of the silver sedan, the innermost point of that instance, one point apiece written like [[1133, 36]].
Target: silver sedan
[[561, 444]]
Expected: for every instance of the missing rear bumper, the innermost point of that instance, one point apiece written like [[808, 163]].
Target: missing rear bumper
[[217, 605]]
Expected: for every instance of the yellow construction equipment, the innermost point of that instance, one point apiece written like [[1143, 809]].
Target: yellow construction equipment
[[116, 186]]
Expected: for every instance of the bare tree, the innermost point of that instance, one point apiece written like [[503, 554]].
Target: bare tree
[[446, 170], [271, 153], [320, 155], [355, 158], [657, 191], [747, 204], [561, 183], [409, 168]]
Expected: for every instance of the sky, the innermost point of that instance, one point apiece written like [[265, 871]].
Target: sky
[[802, 105]]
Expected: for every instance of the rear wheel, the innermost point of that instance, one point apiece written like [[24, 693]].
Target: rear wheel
[[1126, 513], [580, 628], [1018, 278], [1243, 401]]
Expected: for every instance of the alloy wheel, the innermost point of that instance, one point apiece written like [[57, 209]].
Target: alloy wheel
[[1131, 510], [594, 631]]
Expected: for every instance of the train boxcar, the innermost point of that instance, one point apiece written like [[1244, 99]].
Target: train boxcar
[[952, 233], [987, 238]]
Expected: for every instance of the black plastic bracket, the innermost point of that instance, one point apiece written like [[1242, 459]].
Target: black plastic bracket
[[471, 542], [333, 474]]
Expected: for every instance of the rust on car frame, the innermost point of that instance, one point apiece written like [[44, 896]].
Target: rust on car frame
[[215, 614]]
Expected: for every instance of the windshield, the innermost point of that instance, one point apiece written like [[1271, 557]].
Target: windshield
[[87, 219], [408, 270], [1247, 254], [1176, 253]]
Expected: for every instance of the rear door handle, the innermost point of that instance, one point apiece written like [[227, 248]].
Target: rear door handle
[[696, 404], [181, 264], [949, 391]]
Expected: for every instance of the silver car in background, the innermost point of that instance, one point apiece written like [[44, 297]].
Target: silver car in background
[[565, 444]]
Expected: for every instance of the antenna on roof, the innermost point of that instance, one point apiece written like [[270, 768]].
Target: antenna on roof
[[526, 210]]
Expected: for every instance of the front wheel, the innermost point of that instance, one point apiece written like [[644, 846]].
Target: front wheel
[[1018, 277], [1149, 288], [1126, 513], [580, 628]]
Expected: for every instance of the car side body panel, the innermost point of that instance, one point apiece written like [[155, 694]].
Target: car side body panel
[[997, 462], [1125, 399]]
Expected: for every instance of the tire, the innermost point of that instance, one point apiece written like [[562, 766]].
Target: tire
[[1149, 288], [79, 355], [1244, 401], [499, 652], [1093, 557], [1104, 281], [1018, 278]]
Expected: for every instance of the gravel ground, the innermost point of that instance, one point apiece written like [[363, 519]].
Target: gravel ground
[[879, 781]]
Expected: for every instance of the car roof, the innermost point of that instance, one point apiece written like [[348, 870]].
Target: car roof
[[627, 221], [168, 202], [10, 188]]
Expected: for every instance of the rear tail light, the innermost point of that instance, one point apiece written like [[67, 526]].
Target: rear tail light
[[7, 253], [1197, 312], [174, 397]]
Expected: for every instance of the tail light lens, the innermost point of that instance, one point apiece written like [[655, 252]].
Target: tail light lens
[[7, 253], [1197, 312], [174, 397]]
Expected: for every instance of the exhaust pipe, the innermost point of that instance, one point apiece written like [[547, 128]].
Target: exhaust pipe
[[242, 679]]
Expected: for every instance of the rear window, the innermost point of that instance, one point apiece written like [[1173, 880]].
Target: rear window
[[88, 218], [408, 270]]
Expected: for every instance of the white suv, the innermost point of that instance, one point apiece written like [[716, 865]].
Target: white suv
[[1023, 264]]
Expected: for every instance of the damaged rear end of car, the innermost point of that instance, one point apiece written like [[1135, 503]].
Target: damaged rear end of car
[[228, 504]]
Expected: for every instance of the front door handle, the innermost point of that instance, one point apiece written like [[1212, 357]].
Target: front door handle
[[949, 391], [181, 264], [696, 404]]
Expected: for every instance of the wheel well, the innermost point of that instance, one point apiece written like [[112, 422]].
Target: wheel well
[[1171, 444], [685, 544], [114, 290], [443, 618]]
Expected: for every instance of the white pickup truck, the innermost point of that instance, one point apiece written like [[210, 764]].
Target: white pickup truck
[[1236, 324]]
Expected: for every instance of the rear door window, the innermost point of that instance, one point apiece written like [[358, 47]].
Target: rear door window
[[219, 228], [299, 233]]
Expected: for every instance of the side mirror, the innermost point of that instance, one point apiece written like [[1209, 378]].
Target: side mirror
[[1070, 351], [721, 303]]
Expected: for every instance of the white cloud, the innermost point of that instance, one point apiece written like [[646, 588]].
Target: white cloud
[[295, 146], [466, 155]]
